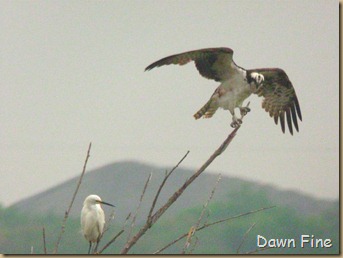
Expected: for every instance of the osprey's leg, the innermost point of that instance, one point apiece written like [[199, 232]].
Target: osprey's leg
[[244, 110], [235, 121]]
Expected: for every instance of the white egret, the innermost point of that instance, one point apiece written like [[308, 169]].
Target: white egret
[[93, 219]]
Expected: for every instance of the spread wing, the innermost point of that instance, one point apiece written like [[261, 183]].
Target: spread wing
[[212, 63], [279, 97]]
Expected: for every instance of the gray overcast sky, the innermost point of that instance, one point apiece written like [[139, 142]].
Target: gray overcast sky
[[73, 72]]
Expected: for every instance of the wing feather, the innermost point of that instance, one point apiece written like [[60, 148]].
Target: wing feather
[[289, 121], [282, 121], [279, 97], [276, 119], [212, 63], [294, 118]]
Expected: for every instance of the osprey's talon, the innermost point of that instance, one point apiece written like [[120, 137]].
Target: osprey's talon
[[234, 124], [244, 110]]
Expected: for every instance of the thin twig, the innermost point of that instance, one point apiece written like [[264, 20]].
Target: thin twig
[[44, 242], [177, 194], [211, 224], [72, 200], [126, 220], [235, 217], [107, 227], [194, 245], [139, 205], [108, 222], [115, 237], [245, 236], [259, 250], [189, 238], [111, 241], [161, 186]]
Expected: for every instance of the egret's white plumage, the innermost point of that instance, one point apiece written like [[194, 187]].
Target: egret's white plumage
[[93, 219]]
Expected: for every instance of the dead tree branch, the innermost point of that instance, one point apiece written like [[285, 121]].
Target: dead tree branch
[[106, 228], [245, 236], [72, 200], [111, 241], [177, 194], [259, 250], [209, 225], [116, 236], [139, 205], [194, 228], [109, 221], [44, 242], [126, 220], [162, 185]]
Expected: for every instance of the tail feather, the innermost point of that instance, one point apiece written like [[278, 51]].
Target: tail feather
[[206, 111]]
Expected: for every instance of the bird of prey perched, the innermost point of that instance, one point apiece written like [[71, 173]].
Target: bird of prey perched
[[237, 84]]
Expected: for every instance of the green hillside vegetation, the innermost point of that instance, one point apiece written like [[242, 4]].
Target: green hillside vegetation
[[19, 231], [121, 183]]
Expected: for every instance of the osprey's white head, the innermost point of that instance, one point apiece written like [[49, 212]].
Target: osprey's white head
[[258, 78]]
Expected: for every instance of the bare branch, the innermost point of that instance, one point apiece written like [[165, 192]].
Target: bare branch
[[211, 224], [259, 250], [139, 205], [177, 194], [116, 236], [161, 186], [189, 237], [106, 228], [194, 228], [126, 220], [245, 236], [194, 245], [234, 217], [72, 200], [111, 241], [44, 242], [108, 221]]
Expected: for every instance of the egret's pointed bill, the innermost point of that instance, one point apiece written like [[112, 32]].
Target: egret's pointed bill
[[106, 203]]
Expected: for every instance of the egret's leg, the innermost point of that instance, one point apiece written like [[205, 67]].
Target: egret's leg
[[90, 246], [96, 246]]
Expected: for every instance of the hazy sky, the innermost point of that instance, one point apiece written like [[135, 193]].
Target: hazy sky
[[72, 72]]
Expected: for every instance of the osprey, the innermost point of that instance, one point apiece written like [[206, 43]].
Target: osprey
[[237, 84]]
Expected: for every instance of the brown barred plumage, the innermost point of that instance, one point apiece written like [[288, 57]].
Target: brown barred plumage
[[279, 98]]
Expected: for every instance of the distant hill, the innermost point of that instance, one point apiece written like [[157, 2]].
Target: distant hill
[[122, 183]]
